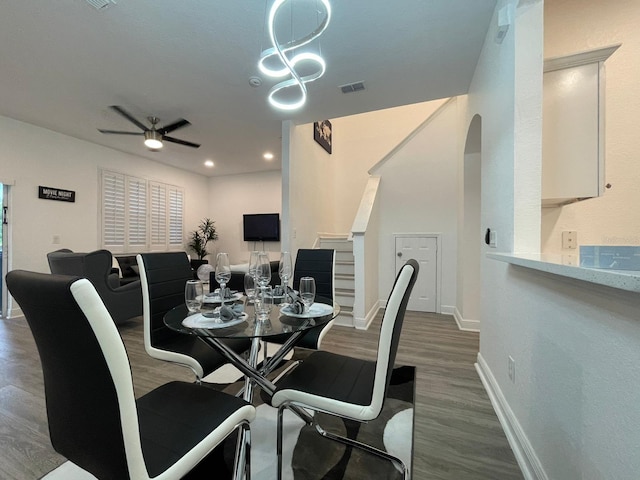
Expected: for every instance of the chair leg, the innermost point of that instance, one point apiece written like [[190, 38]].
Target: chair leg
[[243, 453], [367, 448], [279, 440], [247, 465]]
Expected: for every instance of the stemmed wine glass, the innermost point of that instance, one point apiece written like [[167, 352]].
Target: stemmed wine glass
[[253, 263], [223, 274], [263, 270], [307, 292], [285, 270]]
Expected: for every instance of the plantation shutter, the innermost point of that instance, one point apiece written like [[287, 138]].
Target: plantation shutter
[[113, 211], [158, 216], [137, 214], [176, 211]]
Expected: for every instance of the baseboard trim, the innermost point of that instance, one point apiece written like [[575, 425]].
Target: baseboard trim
[[522, 449], [464, 324], [363, 323], [446, 310]]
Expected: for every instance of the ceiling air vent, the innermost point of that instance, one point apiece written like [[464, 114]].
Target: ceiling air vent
[[100, 4], [352, 87]]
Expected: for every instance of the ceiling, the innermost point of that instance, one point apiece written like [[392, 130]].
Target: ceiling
[[63, 63]]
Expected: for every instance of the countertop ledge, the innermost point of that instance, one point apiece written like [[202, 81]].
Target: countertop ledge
[[566, 266]]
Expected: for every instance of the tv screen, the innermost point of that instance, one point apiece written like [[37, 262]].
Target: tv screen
[[261, 227]]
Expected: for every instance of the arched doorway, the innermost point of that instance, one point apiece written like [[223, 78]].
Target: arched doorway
[[471, 235]]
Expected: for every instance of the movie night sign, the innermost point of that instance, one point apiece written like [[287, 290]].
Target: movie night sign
[[49, 193]]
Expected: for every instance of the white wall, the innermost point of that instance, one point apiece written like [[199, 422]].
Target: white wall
[[471, 242], [33, 156], [325, 190], [573, 405], [310, 183], [419, 194], [573, 26], [230, 197], [360, 142]]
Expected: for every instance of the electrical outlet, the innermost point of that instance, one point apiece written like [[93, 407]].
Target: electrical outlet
[[512, 369], [55, 240]]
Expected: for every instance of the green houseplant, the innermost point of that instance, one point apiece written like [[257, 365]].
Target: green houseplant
[[199, 238]]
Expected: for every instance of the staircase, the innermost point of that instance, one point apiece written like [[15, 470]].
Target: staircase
[[344, 275]]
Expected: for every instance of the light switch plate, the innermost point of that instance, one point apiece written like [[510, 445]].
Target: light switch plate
[[570, 239]]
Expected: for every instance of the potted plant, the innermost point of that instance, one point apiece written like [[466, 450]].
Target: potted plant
[[199, 238]]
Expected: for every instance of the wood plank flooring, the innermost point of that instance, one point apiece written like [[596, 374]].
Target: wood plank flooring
[[457, 434]]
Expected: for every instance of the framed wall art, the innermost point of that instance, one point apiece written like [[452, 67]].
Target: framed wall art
[[322, 134]]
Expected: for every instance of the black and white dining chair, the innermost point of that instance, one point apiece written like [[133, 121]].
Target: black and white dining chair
[[319, 263], [348, 387], [94, 419], [163, 277]]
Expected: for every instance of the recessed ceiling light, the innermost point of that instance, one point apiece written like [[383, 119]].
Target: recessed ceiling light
[[268, 156], [208, 163]]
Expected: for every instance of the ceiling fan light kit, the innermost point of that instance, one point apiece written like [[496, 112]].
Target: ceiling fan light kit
[[153, 140]]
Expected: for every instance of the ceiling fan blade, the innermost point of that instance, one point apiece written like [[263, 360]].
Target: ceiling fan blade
[[181, 142], [174, 126], [129, 117], [118, 132]]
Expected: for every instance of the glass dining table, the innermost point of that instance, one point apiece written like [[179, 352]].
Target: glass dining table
[[281, 322]]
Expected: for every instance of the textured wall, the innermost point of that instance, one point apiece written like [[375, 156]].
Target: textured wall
[[576, 345]]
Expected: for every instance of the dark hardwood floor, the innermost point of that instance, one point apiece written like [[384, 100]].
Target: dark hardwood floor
[[457, 434]]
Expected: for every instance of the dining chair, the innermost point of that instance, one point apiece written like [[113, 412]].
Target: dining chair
[[94, 418], [320, 264], [348, 387], [163, 277]]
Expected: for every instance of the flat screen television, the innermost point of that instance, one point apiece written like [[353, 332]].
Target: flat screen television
[[261, 227]]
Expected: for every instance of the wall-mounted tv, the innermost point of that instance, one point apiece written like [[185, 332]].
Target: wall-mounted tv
[[261, 227]]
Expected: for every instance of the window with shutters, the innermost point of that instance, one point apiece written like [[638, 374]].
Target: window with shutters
[[140, 215]]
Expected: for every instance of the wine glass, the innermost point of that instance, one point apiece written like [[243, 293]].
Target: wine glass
[[223, 273], [264, 303], [193, 295], [263, 270], [250, 287], [307, 291], [253, 263], [285, 269]]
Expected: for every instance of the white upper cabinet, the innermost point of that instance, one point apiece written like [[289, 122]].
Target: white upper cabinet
[[573, 127]]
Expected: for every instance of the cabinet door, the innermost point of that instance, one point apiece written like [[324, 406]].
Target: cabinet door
[[571, 164]]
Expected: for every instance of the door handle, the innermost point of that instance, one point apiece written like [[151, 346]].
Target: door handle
[[399, 254]]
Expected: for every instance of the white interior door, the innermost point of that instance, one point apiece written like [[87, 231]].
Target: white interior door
[[424, 249]]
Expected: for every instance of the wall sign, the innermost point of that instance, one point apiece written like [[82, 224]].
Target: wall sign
[[322, 134], [49, 193]]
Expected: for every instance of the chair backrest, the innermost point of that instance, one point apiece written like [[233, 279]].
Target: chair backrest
[[96, 266], [88, 386], [163, 277], [56, 264], [391, 329], [318, 263]]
